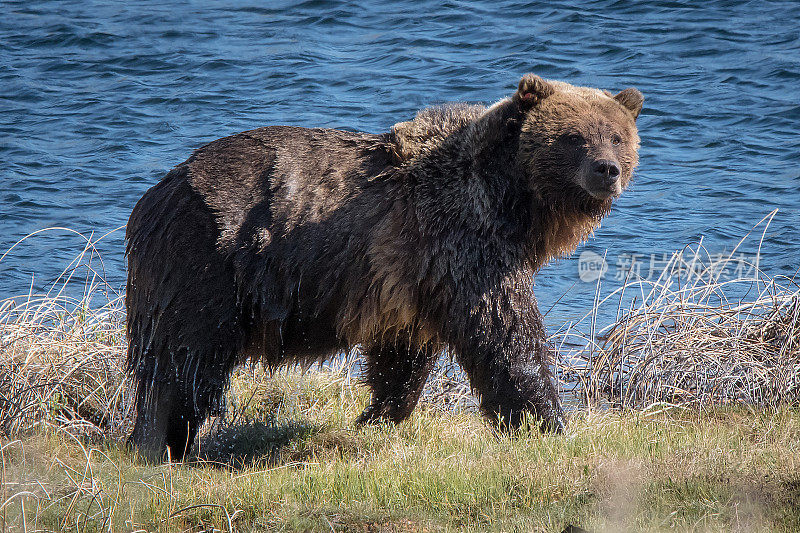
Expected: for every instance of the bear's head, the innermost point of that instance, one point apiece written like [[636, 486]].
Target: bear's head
[[577, 145]]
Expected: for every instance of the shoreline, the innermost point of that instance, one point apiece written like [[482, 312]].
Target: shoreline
[[684, 415]]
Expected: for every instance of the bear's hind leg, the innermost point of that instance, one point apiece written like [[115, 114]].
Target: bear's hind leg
[[396, 370], [184, 420], [173, 403], [153, 406], [166, 424]]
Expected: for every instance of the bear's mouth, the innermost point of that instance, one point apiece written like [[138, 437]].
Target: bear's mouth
[[610, 192]]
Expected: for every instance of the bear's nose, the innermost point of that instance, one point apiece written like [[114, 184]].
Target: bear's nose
[[606, 169]]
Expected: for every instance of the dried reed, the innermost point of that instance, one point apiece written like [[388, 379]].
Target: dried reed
[[693, 337], [684, 339], [61, 354]]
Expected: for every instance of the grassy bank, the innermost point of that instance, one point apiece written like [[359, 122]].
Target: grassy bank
[[699, 430], [291, 460]]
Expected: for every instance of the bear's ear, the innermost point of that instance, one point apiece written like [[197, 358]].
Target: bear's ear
[[532, 90], [631, 99]]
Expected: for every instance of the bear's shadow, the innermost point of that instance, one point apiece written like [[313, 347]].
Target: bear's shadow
[[245, 443]]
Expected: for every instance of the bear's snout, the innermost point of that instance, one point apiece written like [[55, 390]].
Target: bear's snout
[[603, 180], [606, 170]]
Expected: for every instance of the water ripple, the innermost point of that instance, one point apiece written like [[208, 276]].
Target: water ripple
[[100, 99]]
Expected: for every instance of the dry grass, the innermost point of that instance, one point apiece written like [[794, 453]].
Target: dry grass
[[286, 456], [61, 355], [692, 337]]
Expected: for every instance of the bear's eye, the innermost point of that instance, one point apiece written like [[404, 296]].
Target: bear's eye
[[616, 140], [574, 138]]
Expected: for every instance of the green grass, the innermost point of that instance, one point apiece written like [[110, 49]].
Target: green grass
[[292, 460]]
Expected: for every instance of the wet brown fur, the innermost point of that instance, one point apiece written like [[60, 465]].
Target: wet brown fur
[[288, 245]]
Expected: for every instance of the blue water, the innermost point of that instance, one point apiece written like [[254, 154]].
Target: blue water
[[99, 99]]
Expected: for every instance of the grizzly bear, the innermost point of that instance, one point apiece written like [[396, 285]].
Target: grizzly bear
[[289, 245]]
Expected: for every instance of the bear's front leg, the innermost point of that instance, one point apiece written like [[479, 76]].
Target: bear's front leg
[[500, 341]]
